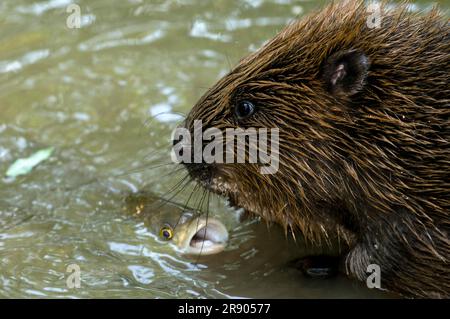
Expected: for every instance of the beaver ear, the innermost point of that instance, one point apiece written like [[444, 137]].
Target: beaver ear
[[345, 72]]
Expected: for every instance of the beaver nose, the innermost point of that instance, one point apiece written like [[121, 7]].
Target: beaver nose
[[188, 148], [175, 141], [186, 153], [200, 171], [196, 165]]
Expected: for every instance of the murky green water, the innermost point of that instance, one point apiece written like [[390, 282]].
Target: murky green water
[[106, 96]]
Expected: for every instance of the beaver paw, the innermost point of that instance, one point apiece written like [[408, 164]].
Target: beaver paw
[[317, 266]]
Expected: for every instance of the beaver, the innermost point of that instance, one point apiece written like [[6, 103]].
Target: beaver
[[364, 139]]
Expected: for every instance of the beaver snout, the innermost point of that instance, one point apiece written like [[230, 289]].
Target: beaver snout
[[200, 171], [177, 139], [196, 166]]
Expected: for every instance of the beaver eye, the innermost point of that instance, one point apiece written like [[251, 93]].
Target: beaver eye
[[244, 109], [166, 232]]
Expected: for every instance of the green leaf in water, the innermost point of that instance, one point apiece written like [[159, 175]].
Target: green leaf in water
[[23, 166]]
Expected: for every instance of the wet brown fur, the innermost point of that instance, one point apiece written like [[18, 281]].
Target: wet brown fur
[[370, 168]]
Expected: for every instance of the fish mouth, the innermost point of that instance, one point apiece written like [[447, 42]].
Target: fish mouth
[[201, 236]]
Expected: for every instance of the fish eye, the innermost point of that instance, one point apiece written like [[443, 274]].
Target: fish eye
[[166, 232], [244, 109]]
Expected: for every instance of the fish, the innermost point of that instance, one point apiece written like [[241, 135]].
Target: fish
[[189, 230]]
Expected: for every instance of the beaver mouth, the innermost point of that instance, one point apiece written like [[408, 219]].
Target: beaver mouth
[[221, 187], [214, 182]]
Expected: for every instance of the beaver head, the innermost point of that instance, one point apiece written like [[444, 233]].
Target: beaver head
[[304, 83], [360, 112]]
